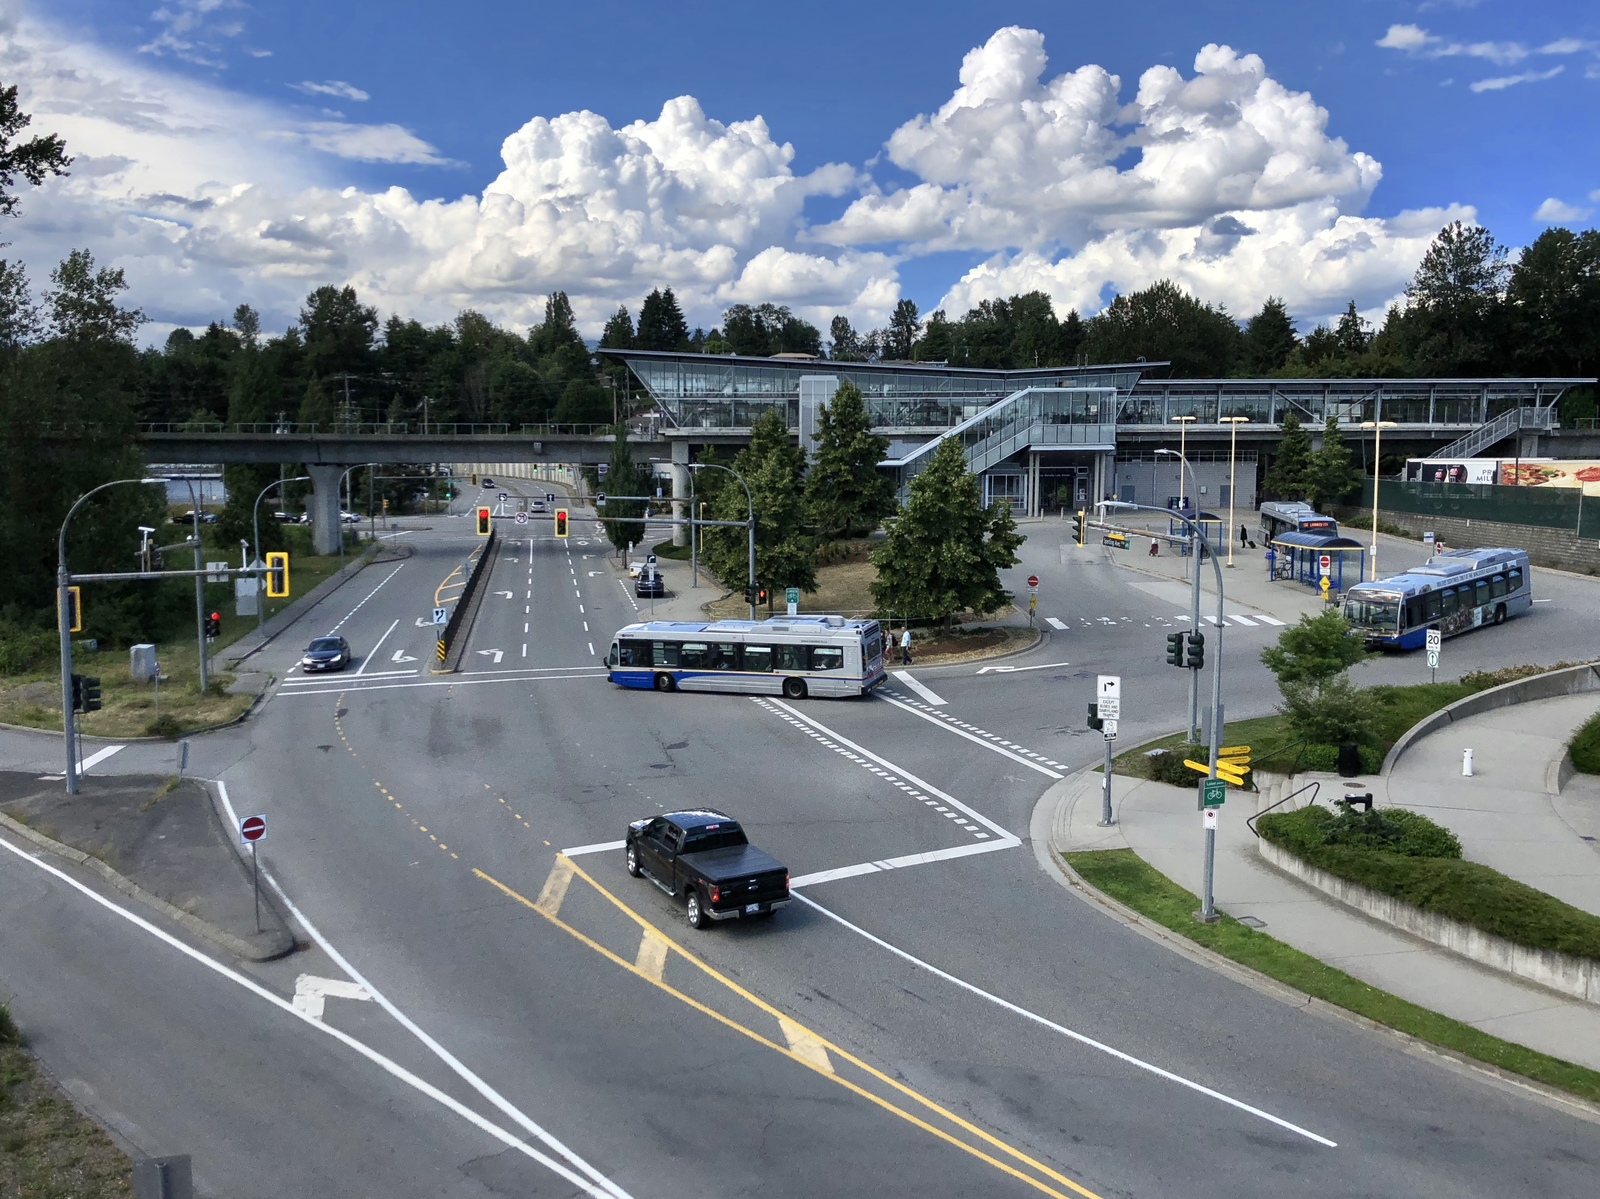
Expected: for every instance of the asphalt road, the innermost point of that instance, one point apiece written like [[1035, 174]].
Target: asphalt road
[[959, 1025]]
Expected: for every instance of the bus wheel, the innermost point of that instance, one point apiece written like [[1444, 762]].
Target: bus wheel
[[664, 682], [1499, 614], [794, 688]]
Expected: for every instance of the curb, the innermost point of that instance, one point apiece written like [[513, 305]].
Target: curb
[[282, 944], [1052, 860]]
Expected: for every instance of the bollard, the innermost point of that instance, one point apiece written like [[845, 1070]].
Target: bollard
[[1466, 763]]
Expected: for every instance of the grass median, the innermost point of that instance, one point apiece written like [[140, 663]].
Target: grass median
[[1127, 878]]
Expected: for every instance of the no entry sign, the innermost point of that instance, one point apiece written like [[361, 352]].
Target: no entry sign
[[1033, 580], [253, 829]]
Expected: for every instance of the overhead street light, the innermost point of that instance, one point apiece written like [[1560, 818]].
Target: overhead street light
[[750, 502], [255, 524], [1183, 423], [1194, 615], [1233, 441], [1377, 427]]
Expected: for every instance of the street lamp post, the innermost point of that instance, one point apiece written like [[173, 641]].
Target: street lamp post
[[1194, 614], [1377, 427], [1208, 907], [63, 581], [1233, 440], [1183, 423], [255, 525], [750, 524]]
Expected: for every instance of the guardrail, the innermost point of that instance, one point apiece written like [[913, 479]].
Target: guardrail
[[458, 614], [362, 429]]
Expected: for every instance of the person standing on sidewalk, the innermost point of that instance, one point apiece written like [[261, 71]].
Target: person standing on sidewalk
[[1155, 547], [905, 647], [1244, 536]]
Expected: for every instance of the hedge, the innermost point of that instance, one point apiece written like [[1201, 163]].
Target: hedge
[[1585, 746]]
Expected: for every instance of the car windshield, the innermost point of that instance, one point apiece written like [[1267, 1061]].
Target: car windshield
[[324, 643], [1373, 611], [714, 839]]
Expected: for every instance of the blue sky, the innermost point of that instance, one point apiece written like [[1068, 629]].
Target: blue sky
[[1490, 107]]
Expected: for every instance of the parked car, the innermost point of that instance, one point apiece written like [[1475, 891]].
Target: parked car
[[350, 518], [703, 856], [283, 518], [649, 585], [326, 653]]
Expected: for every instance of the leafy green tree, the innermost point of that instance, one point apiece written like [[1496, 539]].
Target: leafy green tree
[[844, 343], [34, 160], [661, 323], [1269, 338], [766, 329], [1291, 465], [848, 495], [618, 333], [624, 477], [317, 407], [1312, 662], [899, 339], [1455, 321], [339, 332], [774, 470], [83, 303], [945, 552], [1332, 475], [1554, 299], [19, 316], [1164, 322]]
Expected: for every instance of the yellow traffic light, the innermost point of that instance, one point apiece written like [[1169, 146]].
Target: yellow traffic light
[[484, 520], [74, 618], [277, 575], [561, 522]]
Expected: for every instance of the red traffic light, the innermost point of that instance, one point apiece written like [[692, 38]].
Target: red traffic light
[[561, 522], [484, 519]]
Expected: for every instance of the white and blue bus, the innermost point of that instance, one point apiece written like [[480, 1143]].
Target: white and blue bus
[[794, 656], [1452, 592]]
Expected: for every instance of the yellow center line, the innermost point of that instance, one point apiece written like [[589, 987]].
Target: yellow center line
[[815, 1047]]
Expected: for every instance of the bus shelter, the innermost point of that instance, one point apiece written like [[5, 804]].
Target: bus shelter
[[1297, 557], [1210, 524]]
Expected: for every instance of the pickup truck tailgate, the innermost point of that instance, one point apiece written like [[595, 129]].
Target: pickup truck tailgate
[[743, 872]]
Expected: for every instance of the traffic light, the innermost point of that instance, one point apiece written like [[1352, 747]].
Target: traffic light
[[74, 616], [561, 522], [77, 693], [1094, 717], [277, 575], [761, 595], [485, 519], [474, 479], [1197, 650], [1174, 649], [214, 625], [91, 693], [1083, 524], [750, 593]]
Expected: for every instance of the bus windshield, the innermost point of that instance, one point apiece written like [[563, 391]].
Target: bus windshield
[[1373, 611]]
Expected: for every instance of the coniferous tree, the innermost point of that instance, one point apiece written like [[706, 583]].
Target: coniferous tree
[[661, 323], [774, 470], [945, 552], [848, 495], [1291, 466], [1332, 476], [1269, 338], [623, 477]]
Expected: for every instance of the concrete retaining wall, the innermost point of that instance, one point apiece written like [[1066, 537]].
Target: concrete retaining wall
[[1577, 977], [1574, 680], [1561, 549]]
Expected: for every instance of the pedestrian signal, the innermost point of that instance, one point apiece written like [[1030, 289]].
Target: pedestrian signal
[[761, 595], [277, 575], [561, 522], [1094, 717]]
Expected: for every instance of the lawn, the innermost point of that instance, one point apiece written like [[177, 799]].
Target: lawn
[[1122, 875]]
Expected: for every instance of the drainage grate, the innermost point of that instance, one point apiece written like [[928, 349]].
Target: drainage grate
[[1251, 922]]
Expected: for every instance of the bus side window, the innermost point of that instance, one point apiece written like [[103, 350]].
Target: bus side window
[[1414, 612], [758, 657], [664, 653], [827, 657], [1430, 606], [1447, 601], [722, 655], [1497, 587], [1481, 588], [1515, 578], [789, 657], [693, 654]]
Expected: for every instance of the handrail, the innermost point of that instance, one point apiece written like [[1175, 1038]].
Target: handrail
[[1313, 787]]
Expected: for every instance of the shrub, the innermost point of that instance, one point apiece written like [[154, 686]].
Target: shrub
[[166, 725], [1389, 830], [1585, 746], [1482, 680], [1166, 766], [23, 649]]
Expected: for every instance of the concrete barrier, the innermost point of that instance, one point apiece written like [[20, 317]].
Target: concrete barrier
[[1560, 972], [1571, 680]]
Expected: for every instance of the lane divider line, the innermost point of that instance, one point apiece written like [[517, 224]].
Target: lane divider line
[[372, 654], [950, 726], [920, 709], [366, 597]]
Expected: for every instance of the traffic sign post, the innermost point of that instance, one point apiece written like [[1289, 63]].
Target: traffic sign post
[[1435, 643], [1033, 582], [441, 616], [253, 829], [791, 599], [1108, 698]]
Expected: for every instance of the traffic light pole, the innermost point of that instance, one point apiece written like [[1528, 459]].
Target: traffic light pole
[[255, 524], [750, 589], [199, 588]]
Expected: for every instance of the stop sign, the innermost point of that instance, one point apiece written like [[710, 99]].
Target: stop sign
[[253, 829], [1033, 580]]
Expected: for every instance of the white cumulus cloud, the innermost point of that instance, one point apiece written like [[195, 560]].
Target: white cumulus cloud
[[1558, 212]]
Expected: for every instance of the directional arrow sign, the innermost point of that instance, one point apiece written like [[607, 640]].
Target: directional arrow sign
[[498, 654], [400, 655]]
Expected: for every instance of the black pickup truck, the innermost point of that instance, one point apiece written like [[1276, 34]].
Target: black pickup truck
[[703, 856]]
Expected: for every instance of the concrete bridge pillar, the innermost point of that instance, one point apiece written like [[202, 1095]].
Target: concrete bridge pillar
[[324, 507], [680, 491]]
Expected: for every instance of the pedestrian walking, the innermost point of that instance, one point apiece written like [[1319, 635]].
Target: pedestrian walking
[[1244, 536], [905, 647], [1155, 548]]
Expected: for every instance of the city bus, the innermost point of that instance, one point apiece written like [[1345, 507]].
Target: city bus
[[1277, 519], [793, 656], [1452, 592]]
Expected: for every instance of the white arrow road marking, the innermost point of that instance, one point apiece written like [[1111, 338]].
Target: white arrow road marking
[[929, 696], [593, 573], [1054, 623], [400, 655], [424, 624], [498, 654], [506, 594], [1018, 669], [310, 992]]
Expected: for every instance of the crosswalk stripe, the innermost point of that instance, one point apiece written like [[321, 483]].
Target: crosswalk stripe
[[1054, 623], [1269, 620], [1244, 620]]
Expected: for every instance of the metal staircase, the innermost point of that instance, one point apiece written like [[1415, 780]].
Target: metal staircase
[[1513, 420]]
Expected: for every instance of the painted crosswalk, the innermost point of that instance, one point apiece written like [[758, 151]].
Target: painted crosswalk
[[1101, 624]]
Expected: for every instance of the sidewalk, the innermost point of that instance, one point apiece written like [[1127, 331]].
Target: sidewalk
[[1160, 823]]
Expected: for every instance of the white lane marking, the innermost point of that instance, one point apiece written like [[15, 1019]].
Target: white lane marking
[[586, 626], [310, 992], [1067, 1032], [1054, 623], [905, 677], [900, 863], [373, 652], [366, 597], [400, 655], [1244, 620], [95, 759], [1020, 669], [1270, 619], [598, 847], [591, 647], [498, 654], [989, 745], [535, 670], [393, 1068], [524, 649], [506, 677], [903, 773], [524, 626], [529, 595], [314, 680]]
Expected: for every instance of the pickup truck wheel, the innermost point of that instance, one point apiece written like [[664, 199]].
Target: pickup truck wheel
[[633, 861], [664, 682], [696, 914], [794, 688]]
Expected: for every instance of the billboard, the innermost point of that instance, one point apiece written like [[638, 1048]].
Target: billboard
[[1508, 472]]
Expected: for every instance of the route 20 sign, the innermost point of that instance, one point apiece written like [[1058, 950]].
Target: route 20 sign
[[253, 829]]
